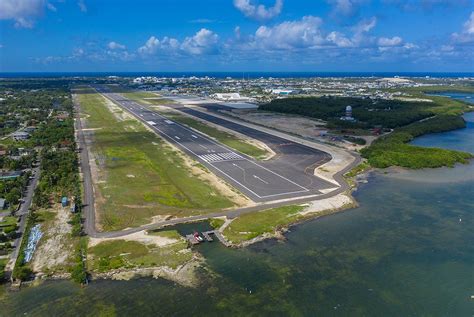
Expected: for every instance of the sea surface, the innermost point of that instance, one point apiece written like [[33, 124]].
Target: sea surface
[[406, 251], [239, 74]]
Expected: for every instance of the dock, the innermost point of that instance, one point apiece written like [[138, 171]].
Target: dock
[[207, 237], [192, 239]]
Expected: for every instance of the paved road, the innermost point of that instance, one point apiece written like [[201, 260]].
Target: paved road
[[23, 212], [88, 209], [289, 175], [89, 198]]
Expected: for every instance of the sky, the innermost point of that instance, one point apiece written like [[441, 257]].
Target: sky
[[237, 35]]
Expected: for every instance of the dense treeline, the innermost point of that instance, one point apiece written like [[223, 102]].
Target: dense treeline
[[393, 150], [29, 107], [368, 112], [55, 133], [59, 177], [11, 190]]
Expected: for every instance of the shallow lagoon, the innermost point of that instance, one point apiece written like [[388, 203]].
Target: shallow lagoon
[[407, 250]]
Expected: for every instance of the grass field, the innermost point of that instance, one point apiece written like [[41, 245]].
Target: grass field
[[8, 224], [140, 96], [117, 254], [228, 139], [170, 234], [143, 97], [251, 225], [142, 175]]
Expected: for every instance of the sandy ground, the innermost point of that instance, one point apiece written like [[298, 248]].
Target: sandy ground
[[141, 236], [305, 127], [332, 203], [295, 124], [55, 247]]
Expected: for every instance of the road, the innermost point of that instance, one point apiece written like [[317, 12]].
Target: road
[[23, 212], [289, 175], [89, 211]]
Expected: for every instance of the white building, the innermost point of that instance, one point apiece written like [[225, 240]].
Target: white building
[[233, 96]]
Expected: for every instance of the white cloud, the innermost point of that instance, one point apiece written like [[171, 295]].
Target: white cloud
[[339, 39], [51, 7], [237, 33], [345, 7], [469, 24], [365, 25], [22, 12], [150, 47], [303, 33], [258, 12], [116, 46], [204, 41], [82, 6], [467, 34], [394, 41]]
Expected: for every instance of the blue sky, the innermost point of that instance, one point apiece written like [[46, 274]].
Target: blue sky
[[237, 35]]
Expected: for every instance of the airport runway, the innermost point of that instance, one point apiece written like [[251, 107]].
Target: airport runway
[[281, 178]]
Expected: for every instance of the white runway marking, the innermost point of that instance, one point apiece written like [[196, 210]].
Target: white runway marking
[[220, 157], [263, 181], [240, 168]]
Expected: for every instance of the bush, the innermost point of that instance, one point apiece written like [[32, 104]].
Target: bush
[[22, 273]]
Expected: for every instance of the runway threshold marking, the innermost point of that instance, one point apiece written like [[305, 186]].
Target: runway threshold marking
[[220, 157]]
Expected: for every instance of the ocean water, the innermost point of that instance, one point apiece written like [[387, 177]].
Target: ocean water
[[406, 251], [243, 74]]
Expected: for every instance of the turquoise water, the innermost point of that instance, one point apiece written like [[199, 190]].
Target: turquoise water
[[462, 139], [466, 97], [406, 251]]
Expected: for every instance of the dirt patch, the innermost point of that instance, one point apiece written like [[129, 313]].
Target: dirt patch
[[302, 126], [55, 248], [334, 203], [141, 236], [296, 125]]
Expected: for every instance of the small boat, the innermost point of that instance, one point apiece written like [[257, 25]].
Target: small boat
[[197, 236]]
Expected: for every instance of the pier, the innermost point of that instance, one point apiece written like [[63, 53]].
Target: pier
[[207, 236]]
